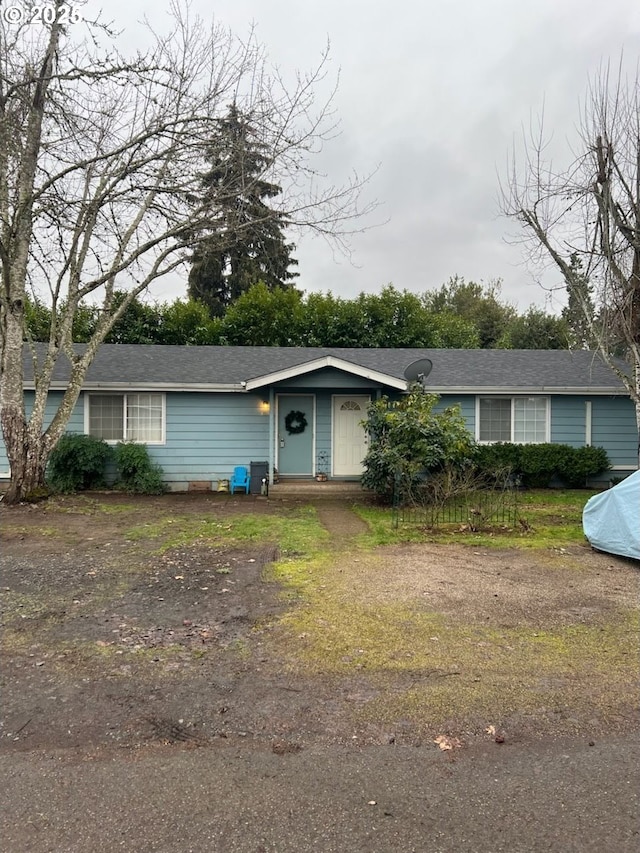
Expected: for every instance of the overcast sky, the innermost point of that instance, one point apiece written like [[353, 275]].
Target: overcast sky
[[432, 94]]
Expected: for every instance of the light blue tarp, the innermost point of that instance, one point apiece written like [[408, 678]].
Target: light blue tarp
[[611, 520]]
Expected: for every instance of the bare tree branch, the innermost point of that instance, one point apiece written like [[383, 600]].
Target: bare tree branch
[[585, 218], [101, 160]]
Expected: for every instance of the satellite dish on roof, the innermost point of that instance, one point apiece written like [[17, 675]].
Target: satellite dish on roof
[[418, 370]]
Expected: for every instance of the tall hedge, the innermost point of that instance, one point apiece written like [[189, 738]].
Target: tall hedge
[[537, 465]]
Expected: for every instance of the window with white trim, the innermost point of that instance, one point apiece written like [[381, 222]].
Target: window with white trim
[[127, 417], [523, 420]]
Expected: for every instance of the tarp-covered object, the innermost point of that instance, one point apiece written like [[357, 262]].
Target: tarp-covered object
[[611, 520]]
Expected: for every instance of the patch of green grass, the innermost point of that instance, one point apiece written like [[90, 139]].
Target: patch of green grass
[[85, 505], [115, 509], [571, 499], [552, 518], [298, 533], [12, 530], [381, 528], [339, 637]]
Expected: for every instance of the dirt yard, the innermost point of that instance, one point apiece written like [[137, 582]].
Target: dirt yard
[[124, 625]]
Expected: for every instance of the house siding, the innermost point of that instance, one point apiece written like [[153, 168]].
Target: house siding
[[569, 420], [330, 378], [613, 426], [75, 424], [208, 434], [467, 404]]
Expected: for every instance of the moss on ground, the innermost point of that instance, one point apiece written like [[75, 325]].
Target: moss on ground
[[428, 669]]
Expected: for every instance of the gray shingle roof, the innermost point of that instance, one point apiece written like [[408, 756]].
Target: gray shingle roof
[[453, 369]]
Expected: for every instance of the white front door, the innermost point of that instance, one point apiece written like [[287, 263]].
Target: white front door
[[349, 437]]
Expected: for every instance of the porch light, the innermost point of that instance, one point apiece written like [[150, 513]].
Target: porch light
[[264, 407]]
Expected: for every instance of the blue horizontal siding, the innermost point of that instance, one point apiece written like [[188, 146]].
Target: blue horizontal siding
[[330, 378], [568, 420], [613, 426], [75, 424], [467, 404], [208, 434]]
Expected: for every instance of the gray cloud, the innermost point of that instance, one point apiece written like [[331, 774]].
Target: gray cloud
[[435, 93]]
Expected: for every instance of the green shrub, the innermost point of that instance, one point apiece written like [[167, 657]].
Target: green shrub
[[540, 463], [136, 473], [536, 465], [408, 441], [585, 463], [499, 460], [78, 462]]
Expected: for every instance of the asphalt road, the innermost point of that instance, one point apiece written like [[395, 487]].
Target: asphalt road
[[559, 796]]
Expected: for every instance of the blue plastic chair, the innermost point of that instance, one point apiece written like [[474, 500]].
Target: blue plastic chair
[[240, 479]]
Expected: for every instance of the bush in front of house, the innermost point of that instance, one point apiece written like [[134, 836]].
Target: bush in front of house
[[500, 460], [586, 462], [408, 441], [540, 463], [136, 473], [536, 465], [78, 462]]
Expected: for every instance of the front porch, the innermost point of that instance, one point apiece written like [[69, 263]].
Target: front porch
[[347, 489]]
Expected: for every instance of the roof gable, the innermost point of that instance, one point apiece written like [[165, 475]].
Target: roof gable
[[326, 361]]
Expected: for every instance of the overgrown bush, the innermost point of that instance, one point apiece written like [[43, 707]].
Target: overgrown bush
[[78, 462], [499, 457], [587, 462], [536, 465], [136, 473], [540, 463], [408, 441]]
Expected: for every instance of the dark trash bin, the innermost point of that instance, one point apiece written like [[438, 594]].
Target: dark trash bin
[[259, 478]]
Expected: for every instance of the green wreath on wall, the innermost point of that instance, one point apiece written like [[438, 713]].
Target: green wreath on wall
[[295, 423]]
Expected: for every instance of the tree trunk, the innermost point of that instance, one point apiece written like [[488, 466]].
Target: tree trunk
[[28, 454]]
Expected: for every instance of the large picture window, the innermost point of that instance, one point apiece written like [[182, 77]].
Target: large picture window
[[127, 417], [523, 420]]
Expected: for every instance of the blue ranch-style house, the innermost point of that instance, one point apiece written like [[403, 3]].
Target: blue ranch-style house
[[201, 411]]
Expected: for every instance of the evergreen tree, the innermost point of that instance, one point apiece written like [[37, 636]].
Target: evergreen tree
[[245, 242], [579, 311]]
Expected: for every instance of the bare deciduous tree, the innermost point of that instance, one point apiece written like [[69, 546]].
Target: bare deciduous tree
[[585, 218], [100, 165]]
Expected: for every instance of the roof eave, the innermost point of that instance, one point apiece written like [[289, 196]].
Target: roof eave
[[199, 387], [595, 390]]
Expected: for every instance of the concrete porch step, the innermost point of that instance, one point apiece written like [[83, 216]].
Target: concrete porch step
[[328, 488]]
